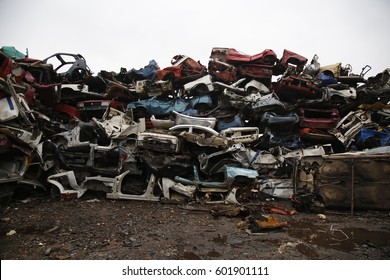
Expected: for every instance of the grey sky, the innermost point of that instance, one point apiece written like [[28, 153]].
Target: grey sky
[[126, 33]]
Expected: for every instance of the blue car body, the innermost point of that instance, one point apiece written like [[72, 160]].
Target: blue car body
[[149, 72], [160, 106]]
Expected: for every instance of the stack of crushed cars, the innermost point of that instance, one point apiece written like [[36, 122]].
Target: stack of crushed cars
[[245, 128]]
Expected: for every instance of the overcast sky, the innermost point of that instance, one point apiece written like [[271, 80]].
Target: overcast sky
[[126, 33]]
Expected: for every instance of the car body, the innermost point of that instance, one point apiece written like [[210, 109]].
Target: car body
[[336, 70], [377, 88], [349, 180], [313, 135], [183, 70], [289, 59], [71, 94], [8, 109], [240, 93], [318, 118], [199, 86], [293, 88], [277, 121], [165, 105], [226, 121], [381, 81], [81, 137], [158, 142], [199, 134], [186, 119], [42, 78], [344, 74], [350, 125], [266, 57], [256, 71], [64, 113], [127, 185], [232, 175], [13, 159], [228, 65], [149, 88], [372, 138], [6, 65], [244, 135], [96, 108], [268, 102], [222, 71], [243, 86], [148, 72], [258, 66], [70, 68], [119, 125]]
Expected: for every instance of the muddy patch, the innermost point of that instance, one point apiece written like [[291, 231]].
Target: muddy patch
[[335, 237]]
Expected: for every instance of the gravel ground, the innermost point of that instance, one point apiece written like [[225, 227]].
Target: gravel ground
[[95, 228]]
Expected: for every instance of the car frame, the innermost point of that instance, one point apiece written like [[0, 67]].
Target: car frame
[[183, 70], [78, 69]]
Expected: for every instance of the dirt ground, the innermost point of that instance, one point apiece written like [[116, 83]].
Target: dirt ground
[[38, 227]]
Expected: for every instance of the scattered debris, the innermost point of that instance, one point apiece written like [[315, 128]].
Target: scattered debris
[[48, 251], [321, 216], [270, 223], [282, 248], [338, 234], [11, 232]]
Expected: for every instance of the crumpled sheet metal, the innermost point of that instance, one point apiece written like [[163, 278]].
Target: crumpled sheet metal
[[237, 153], [8, 109], [168, 186], [338, 177], [13, 166], [256, 114], [70, 188], [31, 138], [183, 189], [201, 121], [243, 135], [233, 175], [193, 127], [119, 126], [204, 141], [349, 126], [278, 188], [147, 195], [158, 142]]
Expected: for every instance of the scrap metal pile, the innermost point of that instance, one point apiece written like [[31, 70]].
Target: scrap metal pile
[[244, 128]]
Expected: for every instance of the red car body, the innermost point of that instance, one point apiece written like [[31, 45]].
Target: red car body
[[6, 65], [318, 118], [267, 57], [64, 112], [292, 88], [289, 58], [228, 65], [183, 70]]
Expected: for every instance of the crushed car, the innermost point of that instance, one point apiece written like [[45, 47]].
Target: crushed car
[[184, 69], [245, 128], [356, 180]]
